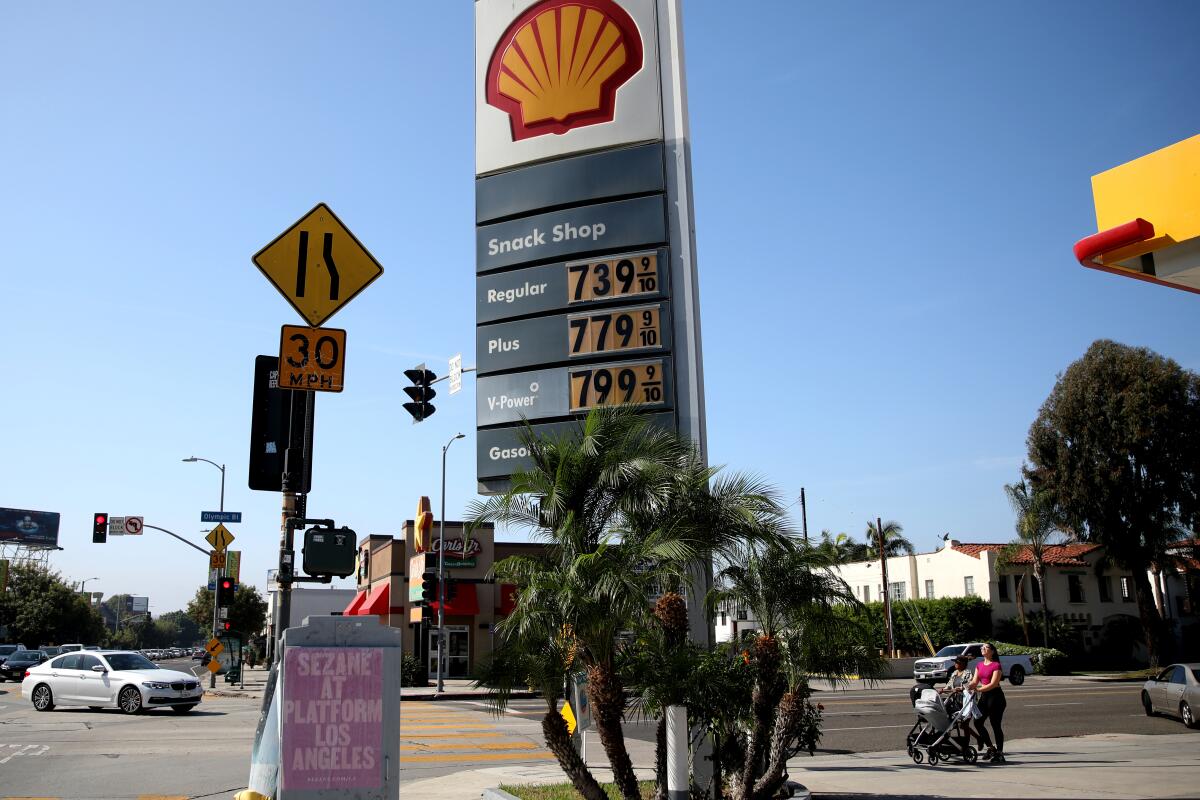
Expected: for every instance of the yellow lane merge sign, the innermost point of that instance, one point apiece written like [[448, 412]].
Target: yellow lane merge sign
[[214, 647], [569, 716], [214, 666], [220, 538], [318, 265]]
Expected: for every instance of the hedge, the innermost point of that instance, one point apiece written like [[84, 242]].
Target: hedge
[[949, 620], [1046, 660]]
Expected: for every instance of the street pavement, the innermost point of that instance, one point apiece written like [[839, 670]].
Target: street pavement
[[456, 748]]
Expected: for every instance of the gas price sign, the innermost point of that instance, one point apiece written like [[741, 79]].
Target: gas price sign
[[610, 331], [613, 278], [617, 384]]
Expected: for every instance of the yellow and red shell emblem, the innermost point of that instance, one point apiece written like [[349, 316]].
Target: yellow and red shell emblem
[[559, 65]]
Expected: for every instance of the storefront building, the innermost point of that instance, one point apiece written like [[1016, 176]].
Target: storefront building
[[389, 587]]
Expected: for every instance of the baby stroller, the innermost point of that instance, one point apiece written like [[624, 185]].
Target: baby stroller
[[933, 735]]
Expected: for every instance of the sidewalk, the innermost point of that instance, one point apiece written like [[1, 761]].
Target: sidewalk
[[1102, 766], [456, 689]]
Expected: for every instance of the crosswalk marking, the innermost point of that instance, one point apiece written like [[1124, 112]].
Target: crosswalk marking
[[420, 748], [27, 750], [459, 758], [454, 735]]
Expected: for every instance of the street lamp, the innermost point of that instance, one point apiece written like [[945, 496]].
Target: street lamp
[[212, 681], [441, 662], [83, 586], [192, 459]]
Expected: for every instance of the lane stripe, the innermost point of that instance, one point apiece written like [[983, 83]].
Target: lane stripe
[[455, 727], [1044, 705], [468, 736]]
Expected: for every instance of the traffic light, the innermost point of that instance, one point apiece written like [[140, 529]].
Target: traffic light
[[421, 392], [226, 626], [428, 587], [225, 591], [99, 528]]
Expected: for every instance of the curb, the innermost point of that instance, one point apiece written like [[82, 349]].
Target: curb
[[463, 696], [796, 791]]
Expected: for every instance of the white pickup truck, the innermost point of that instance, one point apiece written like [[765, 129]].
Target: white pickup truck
[[937, 668]]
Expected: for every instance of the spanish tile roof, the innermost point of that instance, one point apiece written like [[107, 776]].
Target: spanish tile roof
[[1059, 555]]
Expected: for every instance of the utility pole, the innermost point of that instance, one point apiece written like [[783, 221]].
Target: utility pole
[[887, 592], [804, 515], [441, 619]]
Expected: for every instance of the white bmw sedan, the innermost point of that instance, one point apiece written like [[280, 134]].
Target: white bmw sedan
[[128, 681]]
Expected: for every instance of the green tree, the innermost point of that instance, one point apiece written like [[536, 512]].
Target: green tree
[[1116, 450], [247, 614], [796, 601], [39, 608], [1037, 530], [894, 543]]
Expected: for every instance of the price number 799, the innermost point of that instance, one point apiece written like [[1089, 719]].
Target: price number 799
[[618, 384]]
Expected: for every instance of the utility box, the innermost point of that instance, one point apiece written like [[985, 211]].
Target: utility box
[[332, 729], [330, 551]]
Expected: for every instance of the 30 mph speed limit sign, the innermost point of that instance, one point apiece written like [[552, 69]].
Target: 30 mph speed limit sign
[[312, 359]]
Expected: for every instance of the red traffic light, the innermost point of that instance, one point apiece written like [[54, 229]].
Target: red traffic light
[[102, 519], [226, 583], [227, 626]]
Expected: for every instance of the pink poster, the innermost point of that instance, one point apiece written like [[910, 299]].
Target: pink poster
[[333, 718]]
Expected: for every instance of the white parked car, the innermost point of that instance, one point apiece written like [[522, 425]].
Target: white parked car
[[115, 678], [938, 667]]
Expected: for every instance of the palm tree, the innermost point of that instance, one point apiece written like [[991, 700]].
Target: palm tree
[[894, 543], [1037, 531], [627, 510], [841, 549], [792, 595]]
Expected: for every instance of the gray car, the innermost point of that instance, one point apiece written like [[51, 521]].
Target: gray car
[[1175, 691]]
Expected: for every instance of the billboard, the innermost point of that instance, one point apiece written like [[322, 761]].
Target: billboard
[[22, 526], [139, 605]]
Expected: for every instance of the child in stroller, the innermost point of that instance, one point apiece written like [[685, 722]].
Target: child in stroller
[[942, 729]]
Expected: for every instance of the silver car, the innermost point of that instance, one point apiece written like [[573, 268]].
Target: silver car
[[1175, 691], [128, 681]]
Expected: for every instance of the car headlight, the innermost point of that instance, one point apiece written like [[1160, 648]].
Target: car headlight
[[156, 685]]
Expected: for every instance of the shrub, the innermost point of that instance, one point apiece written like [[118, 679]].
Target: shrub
[[948, 620], [412, 671], [1046, 660]]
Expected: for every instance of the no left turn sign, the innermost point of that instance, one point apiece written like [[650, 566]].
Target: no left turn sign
[[133, 526]]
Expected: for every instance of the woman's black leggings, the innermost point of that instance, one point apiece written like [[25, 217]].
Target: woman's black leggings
[[992, 705]]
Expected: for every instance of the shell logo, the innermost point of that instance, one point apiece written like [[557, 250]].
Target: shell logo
[[559, 65]]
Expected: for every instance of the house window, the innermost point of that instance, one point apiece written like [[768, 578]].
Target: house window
[[1126, 589], [741, 614], [1075, 588], [928, 590], [896, 590], [1002, 582], [969, 586], [1036, 587], [1105, 588], [866, 594], [724, 618]]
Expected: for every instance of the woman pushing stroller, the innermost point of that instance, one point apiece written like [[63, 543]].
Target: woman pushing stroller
[[991, 703]]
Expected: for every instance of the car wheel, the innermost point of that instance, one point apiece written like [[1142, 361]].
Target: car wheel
[[43, 698], [1147, 705], [183, 709], [130, 700], [1017, 676], [1185, 713]]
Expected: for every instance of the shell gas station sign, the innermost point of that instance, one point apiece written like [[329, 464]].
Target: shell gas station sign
[[585, 253]]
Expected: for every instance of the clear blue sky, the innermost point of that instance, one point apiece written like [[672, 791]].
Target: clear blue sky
[[886, 200]]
